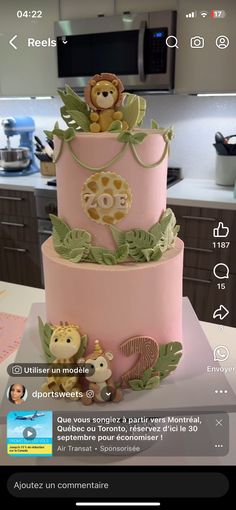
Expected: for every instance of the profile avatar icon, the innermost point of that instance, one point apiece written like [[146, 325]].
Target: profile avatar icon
[[17, 394]]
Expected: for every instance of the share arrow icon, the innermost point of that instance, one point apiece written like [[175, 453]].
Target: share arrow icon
[[221, 312]]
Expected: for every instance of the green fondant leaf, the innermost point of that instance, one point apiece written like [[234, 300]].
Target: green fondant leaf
[[128, 137], [60, 227], [152, 383], [122, 253], [68, 119], [115, 126], [168, 214], [72, 101], [103, 255], [76, 239], [136, 384], [69, 134], [176, 230], [62, 251], [165, 231], [147, 374], [109, 258], [147, 252], [118, 235], [168, 134], [156, 255], [83, 347], [97, 254], [48, 329], [45, 332], [138, 138], [81, 119], [154, 124], [131, 109], [142, 110], [49, 134], [124, 137], [138, 240], [56, 238], [63, 134], [159, 227], [88, 258], [169, 356], [76, 254]]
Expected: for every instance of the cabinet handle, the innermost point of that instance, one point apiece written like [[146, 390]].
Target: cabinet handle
[[199, 218], [199, 280], [46, 232], [201, 250], [17, 199], [10, 224], [10, 248]]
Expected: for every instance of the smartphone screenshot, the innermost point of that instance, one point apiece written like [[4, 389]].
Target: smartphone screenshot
[[117, 253]]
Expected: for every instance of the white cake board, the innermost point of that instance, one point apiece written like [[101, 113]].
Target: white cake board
[[189, 389]]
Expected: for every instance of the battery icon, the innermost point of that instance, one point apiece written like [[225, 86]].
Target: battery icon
[[216, 14]]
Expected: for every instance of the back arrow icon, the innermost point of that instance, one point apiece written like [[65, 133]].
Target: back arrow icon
[[11, 42], [221, 312]]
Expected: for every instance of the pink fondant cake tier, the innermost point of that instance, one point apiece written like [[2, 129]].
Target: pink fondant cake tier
[[114, 303], [147, 185]]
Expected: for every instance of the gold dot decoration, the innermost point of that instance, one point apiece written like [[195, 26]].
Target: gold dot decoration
[[106, 198]]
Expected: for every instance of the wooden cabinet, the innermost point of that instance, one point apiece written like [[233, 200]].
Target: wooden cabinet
[[202, 253], [19, 248]]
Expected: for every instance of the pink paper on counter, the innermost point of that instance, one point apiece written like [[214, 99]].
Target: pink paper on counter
[[11, 331]]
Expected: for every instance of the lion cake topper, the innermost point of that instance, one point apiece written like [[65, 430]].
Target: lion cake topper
[[105, 107], [103, 94]]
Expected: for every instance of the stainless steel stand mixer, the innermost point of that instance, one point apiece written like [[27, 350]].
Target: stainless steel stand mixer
[[22, 158]]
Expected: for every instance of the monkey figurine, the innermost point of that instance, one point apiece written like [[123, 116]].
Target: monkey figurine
[[101, 377]]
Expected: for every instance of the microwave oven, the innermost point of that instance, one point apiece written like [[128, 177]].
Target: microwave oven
[[132, 46]]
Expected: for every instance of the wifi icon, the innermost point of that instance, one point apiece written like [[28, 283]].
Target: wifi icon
[[204, 14]]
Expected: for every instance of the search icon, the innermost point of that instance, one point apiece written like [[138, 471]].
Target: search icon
[[172, 41]]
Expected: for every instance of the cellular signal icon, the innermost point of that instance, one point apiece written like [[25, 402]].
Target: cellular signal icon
[[192, 14]]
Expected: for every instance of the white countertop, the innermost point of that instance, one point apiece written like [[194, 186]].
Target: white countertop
[[26, 182], [201, 193], [190, 192]]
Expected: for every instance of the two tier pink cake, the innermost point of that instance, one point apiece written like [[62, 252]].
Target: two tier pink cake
[[114, 264]]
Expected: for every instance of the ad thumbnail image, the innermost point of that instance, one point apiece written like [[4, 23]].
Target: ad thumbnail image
[[29, 433]]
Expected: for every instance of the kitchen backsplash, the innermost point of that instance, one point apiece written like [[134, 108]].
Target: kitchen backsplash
[[195, 121]]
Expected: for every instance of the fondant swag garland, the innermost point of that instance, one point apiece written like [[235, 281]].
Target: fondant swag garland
[[128, 138], [136, 244]]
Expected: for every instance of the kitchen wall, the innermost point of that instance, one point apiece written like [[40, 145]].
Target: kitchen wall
[[195, 121]]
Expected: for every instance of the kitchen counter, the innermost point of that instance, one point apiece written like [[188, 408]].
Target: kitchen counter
[[201, 193], [190, 192], [26, 182]]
